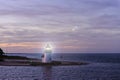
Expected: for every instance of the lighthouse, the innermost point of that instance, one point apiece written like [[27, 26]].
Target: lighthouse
[[46, 57]]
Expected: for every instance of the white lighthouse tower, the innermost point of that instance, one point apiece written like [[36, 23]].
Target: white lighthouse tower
[[46, 57]]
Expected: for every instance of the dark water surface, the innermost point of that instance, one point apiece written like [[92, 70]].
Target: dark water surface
[[101, 67]]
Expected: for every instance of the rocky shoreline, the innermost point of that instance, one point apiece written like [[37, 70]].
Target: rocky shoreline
[[24, 61]]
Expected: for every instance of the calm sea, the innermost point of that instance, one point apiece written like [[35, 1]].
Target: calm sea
[[101, 67]]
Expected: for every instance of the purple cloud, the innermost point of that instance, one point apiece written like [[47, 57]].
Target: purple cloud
[[84, 25]]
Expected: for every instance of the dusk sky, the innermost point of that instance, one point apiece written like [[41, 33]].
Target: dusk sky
[[80, 26]]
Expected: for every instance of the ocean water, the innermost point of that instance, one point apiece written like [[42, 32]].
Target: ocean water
[[101, 67]]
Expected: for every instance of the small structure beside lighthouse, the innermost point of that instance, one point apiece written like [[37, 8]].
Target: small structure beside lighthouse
[[46, 56]]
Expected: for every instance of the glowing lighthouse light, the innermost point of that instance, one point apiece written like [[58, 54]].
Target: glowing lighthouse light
[[46, 57]]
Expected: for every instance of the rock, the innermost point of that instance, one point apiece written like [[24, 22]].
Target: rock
[[1, 52]]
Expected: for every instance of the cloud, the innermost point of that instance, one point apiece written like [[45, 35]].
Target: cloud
[[84, 25], [29, 9]]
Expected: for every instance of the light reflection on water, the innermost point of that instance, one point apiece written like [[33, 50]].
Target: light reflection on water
[[102, 71], [47, 72]]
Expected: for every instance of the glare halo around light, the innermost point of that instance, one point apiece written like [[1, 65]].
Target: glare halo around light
[[51, 46]]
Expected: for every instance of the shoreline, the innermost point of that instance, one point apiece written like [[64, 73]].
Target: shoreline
[[24, 61]]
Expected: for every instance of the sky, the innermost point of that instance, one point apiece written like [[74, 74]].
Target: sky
[[70, 26]]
